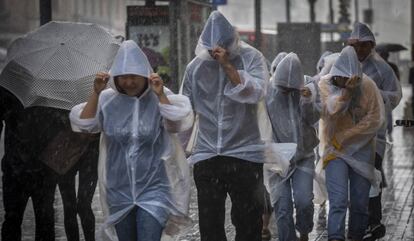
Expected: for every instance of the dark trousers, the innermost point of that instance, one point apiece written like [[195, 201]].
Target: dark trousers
[[81, 203], [375, 207], [243, 181], [17, 189]]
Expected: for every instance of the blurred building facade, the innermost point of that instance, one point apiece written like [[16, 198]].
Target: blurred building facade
[[186, 19], [391, 18], [21, 16]]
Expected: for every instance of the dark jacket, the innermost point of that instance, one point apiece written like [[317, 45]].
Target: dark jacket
[[27, 132]]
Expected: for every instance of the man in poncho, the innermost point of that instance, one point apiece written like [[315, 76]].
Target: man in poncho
[[225, 82], [363, 41]]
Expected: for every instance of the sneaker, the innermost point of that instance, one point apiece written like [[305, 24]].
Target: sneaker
[[368, 236], [374, 233], [378, 231]]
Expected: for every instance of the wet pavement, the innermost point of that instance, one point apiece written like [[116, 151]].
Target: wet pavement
[[398, 197]]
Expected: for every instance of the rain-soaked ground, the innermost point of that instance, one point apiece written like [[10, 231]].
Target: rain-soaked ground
[[397, 199]]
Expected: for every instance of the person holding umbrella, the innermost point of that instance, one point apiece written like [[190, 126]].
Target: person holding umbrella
[[24, 174], [46, 74], [363, 41], [384, 51], [385, 55], [135, 117]]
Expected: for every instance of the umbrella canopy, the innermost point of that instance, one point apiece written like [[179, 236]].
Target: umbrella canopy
[[55, 65], [389, 47]]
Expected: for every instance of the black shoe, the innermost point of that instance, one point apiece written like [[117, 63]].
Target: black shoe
[[368, 236], [374, 233]]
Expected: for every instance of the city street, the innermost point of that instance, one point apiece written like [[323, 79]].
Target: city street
[[398, 198], [227, 57]]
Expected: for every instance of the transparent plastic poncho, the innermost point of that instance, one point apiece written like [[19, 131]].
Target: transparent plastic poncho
[[350, 118], [319, 187], [230, 118], [276, 61], [321, 61], [382, 74], [141, 162], [361, 32], [384, 77], [324, 66], [292, 117]]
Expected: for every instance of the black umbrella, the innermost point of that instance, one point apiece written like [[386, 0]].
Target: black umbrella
[[389, 47]]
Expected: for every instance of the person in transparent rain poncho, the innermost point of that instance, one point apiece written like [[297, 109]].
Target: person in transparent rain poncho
[[312, 84], [225, 82], [292, 116], [352, 113], [268, 209], [363, 41], [276, 61], [143, 177], [321, 67], [321, 62], [324, 66]]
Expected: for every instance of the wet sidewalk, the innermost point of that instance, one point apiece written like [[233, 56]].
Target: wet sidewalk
[[398, 198]]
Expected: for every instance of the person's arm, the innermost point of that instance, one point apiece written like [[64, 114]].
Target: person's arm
[[3, 108], [187, 85], [310, 110], [176, 109], [83, 117], [390, 90], [248, 85], [396, 70], [332, 104], [89, 111], [8, 103], [222, 56], [411, 76], [157, 86], [371, 122]]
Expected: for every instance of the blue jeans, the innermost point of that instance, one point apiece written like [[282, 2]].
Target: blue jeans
[[338, 173], [301, 183], [139, 225]]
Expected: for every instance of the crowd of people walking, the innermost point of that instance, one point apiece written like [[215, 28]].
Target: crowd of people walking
[[236, 113]]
